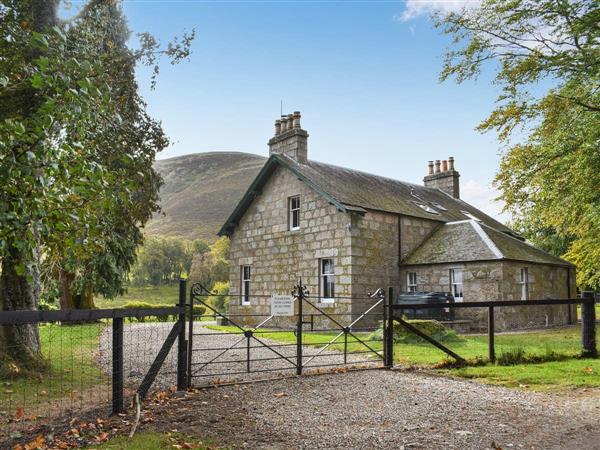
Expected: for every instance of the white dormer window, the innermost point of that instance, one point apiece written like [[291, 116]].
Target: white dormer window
[[524, 282], [426, 208], [294, 212], [471, 216]]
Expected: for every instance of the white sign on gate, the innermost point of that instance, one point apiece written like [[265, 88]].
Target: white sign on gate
[[282, 305]]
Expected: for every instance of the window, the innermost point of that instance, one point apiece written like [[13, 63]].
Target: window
[[294, 213], [327, 280], [456, 284], [524, 284], [411, 281], [245, 290], [436, 205]]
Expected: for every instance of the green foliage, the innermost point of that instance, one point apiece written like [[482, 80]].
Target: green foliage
[[431, 328], [220, 301], [547, 64], [164, 260], [212, 267]]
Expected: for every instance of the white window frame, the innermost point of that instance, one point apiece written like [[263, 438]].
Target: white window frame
[[246, 280], [524, 282], [323, 278], [454, 284], [411, 281], [293, 212]]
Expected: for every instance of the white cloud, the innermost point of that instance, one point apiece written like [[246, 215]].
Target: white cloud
[[416, 8], [483, 198]]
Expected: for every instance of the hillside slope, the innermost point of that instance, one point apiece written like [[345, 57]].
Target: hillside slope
[[200, 191]]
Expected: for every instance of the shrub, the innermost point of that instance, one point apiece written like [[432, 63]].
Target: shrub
[[431, 328], [160, 318]]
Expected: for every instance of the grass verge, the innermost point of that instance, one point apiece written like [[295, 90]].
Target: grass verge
[[154, 440], [552, 356]]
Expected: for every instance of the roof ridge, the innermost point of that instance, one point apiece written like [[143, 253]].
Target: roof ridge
[[527, 243], [486, 239]]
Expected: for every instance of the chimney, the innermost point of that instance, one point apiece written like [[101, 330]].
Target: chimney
[[445, 179], [290, 139]]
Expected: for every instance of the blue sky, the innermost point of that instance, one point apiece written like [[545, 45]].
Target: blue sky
[[363, 74]]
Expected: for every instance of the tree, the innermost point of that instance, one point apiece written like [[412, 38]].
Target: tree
[[547, 62], [212, 267], [76, 153]]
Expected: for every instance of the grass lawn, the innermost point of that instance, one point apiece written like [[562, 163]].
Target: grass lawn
[[70, 351], [572, 372], [161, 295], [152, 440]]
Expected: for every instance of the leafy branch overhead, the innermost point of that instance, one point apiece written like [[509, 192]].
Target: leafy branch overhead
[[76, 148], [546, 58]]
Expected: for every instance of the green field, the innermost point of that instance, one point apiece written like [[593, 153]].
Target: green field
[[562, 343], [161, 295]]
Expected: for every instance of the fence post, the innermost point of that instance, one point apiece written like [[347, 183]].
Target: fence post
[[299, 329], [491, 348], [117, 366], [181, 342], [190, 338], [389, 336], [588, 324]]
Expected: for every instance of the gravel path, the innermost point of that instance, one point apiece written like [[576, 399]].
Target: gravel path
[[142, 341], [388, 410]]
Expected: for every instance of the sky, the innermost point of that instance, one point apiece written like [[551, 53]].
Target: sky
[[364, 74]]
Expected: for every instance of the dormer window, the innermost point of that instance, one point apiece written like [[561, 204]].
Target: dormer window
[[294, 213], [436, 205], [426, 208]]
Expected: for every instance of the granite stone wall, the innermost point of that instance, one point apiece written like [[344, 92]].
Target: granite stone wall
[[279, 257], [499, 280]]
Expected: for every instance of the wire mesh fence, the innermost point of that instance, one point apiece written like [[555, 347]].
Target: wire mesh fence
[[77, 372]]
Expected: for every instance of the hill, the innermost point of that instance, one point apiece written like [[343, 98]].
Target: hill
[[200, 191]]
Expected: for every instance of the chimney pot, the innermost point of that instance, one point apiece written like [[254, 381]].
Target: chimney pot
[[437, 166], [444, 166], [290, 122], [451, 162], [277, 127], [297, 119], [430, 165], [284, 126]]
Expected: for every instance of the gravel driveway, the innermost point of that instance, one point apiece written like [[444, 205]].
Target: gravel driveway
[[387, 410], [142, 341]]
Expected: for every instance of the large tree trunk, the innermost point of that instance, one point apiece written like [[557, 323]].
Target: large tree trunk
[[20, 344], [65, 279]]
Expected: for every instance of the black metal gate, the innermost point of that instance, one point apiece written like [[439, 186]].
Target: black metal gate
[[249, 342]]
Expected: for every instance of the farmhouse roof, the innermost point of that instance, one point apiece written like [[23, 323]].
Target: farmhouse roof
[[470, 240], [355, 191]]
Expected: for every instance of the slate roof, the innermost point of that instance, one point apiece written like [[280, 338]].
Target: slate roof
[[353, 190], [470, 240]]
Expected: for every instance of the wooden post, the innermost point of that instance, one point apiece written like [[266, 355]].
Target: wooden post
[[491, 349], [390, 332], [117, 366], [181, 342], [588, 325]]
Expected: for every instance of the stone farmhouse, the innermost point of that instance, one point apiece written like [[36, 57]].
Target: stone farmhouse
[[347, 233]]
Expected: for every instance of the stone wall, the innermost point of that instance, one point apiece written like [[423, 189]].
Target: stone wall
[[414, 231], [499, 280], [279, 257]]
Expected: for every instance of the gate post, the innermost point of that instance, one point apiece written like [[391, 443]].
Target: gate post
[[190, 339], [181, 342], [117, 366], [588, 324], [389, 338], [300, 291]]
